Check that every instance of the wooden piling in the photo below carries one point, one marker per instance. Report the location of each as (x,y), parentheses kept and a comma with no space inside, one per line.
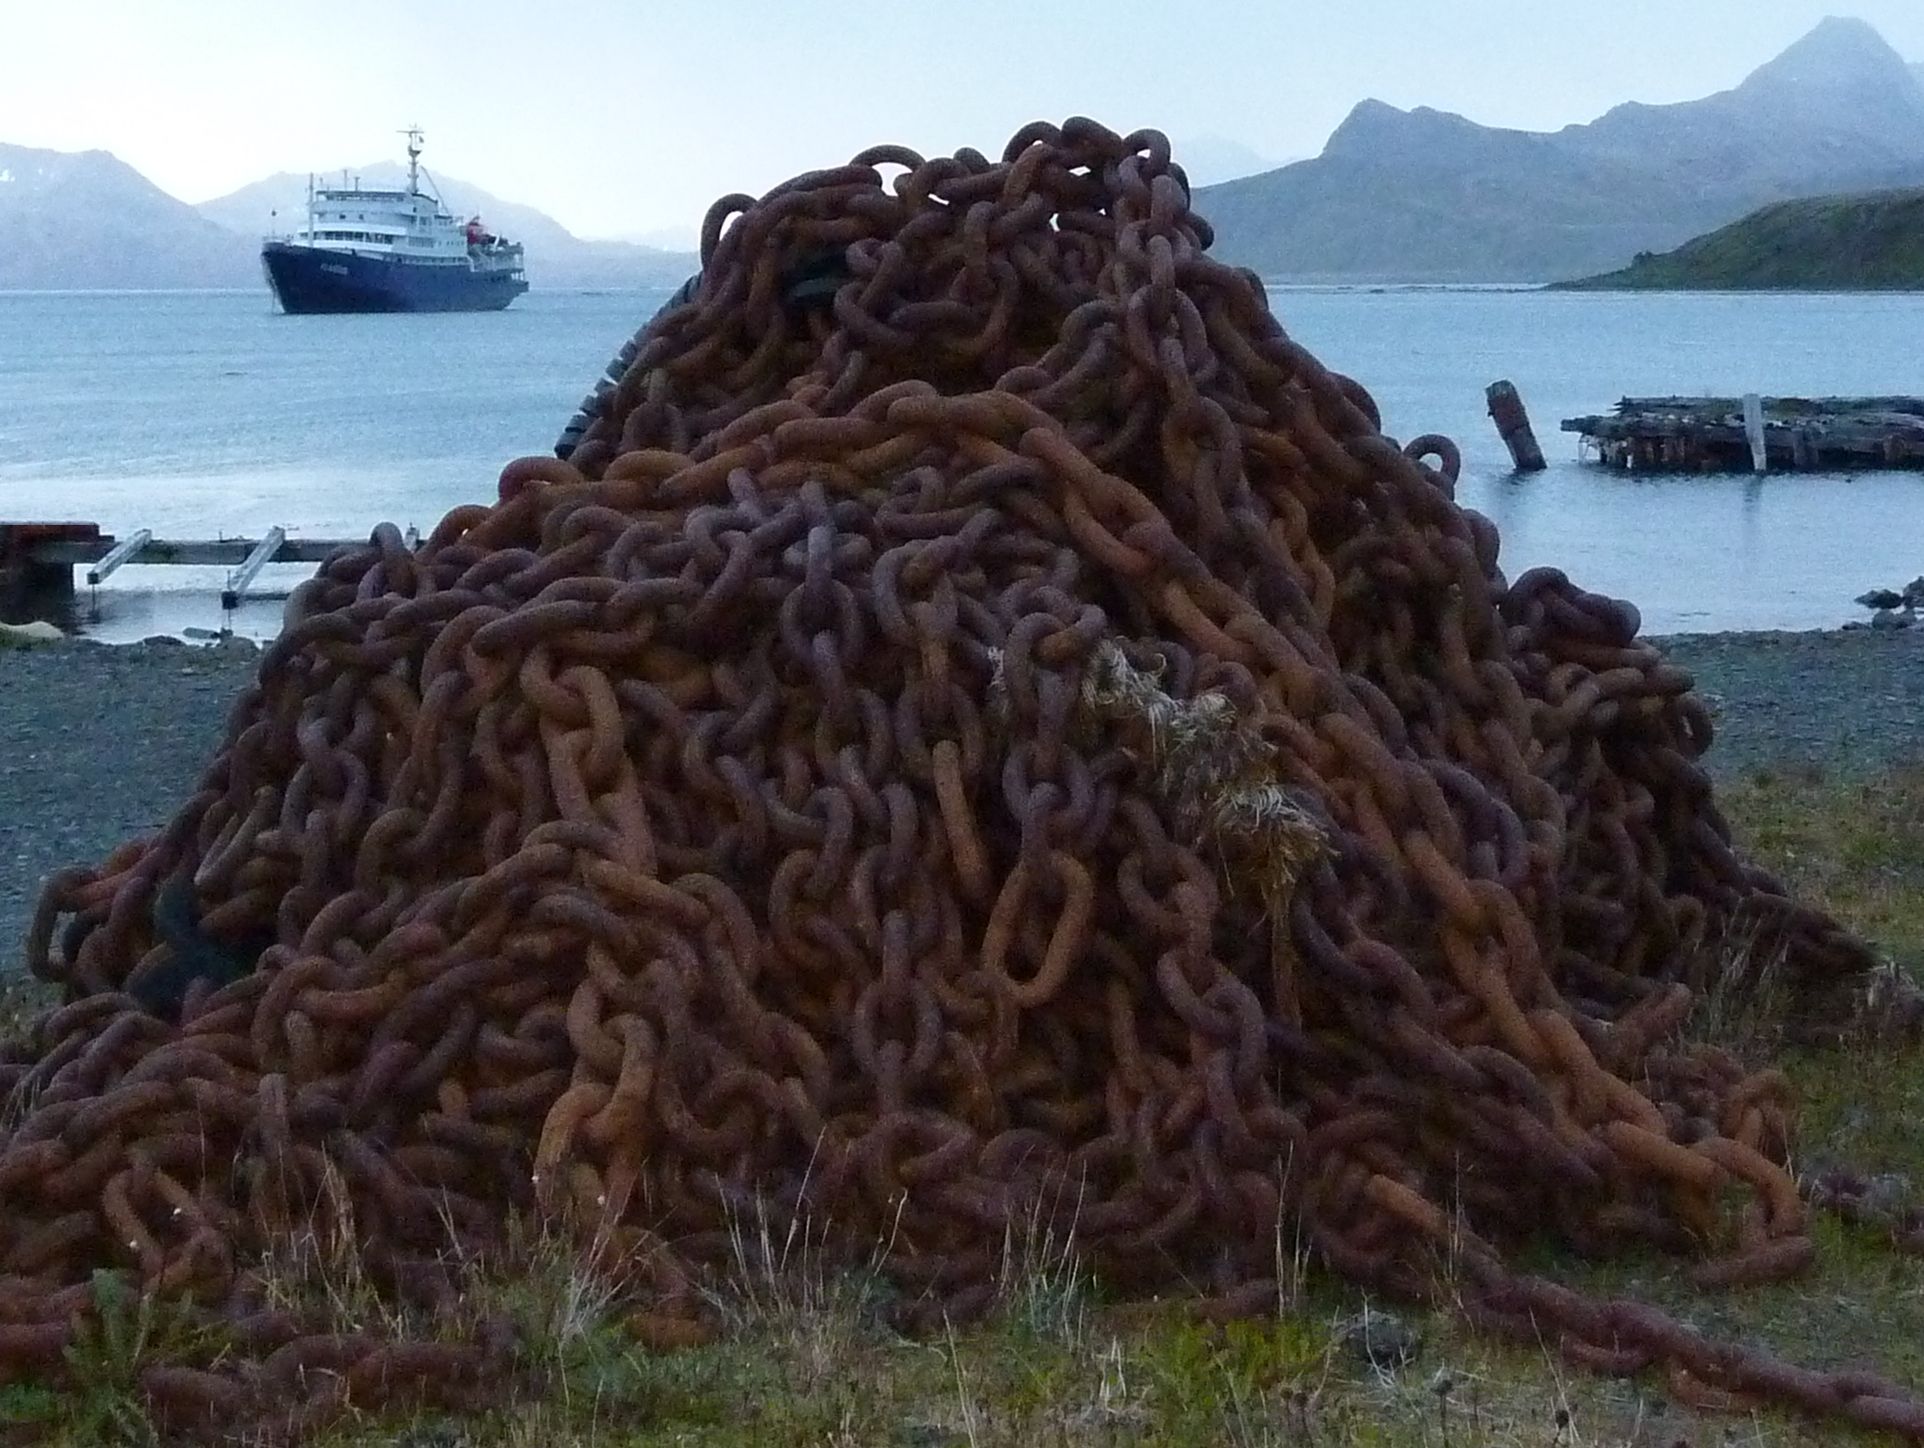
(33,586)
(1754,432)
(239,580)
(1513,426)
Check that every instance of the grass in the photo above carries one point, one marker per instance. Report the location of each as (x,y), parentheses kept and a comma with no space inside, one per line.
(804,1354)
(1862,242)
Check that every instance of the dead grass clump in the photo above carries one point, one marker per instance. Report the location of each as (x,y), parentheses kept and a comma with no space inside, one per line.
(1222,780)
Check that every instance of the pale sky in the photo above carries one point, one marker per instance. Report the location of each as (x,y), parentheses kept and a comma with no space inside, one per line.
(620,118)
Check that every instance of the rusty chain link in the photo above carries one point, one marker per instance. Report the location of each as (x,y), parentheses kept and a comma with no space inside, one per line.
(975,711)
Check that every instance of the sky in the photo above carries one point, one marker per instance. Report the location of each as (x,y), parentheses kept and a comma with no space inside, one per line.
(624,119)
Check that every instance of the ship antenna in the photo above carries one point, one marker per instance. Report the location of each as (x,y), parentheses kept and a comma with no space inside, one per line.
(413,133)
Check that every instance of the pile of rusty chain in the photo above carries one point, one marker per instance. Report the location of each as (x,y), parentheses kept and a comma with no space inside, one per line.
(978,718)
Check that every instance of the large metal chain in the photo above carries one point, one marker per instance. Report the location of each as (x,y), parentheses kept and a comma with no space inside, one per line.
(978,715)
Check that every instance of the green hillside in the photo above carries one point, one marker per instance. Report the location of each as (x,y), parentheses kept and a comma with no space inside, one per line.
(1868,242)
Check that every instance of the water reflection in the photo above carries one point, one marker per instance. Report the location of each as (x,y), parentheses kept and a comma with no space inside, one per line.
(1694,552)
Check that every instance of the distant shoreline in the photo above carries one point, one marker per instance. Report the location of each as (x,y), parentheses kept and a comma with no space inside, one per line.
(1866,241)
(1584,286)
(1596,287)
(597,289)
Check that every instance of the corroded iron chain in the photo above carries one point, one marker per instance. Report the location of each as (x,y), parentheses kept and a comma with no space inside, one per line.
(978,716)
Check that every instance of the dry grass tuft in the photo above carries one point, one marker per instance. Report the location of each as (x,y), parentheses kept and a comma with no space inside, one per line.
(1746,1000)
(1221,778)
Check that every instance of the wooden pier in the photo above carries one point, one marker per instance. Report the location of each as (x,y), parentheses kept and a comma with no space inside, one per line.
(1756,434)
(1513,426)
(37,562)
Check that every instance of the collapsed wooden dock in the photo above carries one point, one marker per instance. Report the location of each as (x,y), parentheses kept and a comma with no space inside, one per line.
(37,562)
(1756,434)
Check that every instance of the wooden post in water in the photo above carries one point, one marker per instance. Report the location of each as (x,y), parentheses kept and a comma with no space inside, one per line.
(1513,425)
(1754,432)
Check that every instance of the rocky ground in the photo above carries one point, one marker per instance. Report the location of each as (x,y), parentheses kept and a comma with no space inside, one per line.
(1848,701)
(99,744)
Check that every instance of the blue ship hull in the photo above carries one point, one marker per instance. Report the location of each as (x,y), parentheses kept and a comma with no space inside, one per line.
(310,279)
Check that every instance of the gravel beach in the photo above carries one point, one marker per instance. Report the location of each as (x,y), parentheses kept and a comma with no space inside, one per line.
(1848,701)
(99,743)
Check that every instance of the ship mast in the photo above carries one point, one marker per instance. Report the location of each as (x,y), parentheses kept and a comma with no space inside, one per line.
(413,133)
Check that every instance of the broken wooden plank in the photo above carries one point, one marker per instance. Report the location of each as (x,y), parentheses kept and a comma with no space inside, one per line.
(203,552)
(118,555)
(241,577)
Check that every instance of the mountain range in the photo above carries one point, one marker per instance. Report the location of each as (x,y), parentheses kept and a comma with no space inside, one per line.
(556,256)
(89,220)
(1208,159)
(1397,195)
(1424,195)
(85,219)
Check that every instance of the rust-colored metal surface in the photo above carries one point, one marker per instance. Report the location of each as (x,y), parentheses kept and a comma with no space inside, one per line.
(979,717)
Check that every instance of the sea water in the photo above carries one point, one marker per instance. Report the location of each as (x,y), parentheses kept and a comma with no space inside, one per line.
(201,414)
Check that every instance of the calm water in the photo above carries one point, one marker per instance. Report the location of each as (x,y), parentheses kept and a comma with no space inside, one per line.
(197,414)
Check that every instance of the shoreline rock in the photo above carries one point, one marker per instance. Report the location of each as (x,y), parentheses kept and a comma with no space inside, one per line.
(22,635)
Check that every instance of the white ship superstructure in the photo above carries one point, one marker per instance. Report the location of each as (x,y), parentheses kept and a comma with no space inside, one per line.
(365,250)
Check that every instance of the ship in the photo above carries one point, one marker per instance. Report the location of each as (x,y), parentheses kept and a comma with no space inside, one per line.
(391,251)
